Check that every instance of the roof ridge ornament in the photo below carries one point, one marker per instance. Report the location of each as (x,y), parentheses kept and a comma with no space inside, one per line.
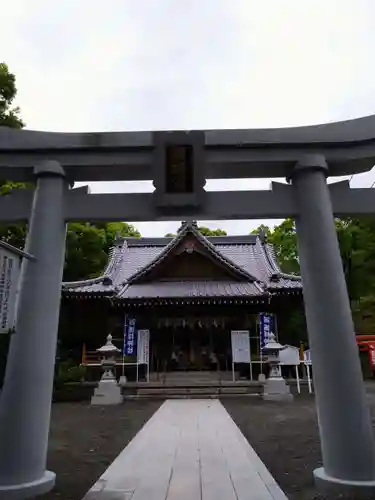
(187,224)
(263,237)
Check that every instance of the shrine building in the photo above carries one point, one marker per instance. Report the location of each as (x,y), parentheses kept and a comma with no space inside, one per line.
(189,291)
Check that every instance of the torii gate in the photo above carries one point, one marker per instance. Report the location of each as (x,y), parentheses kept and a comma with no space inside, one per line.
(179,163)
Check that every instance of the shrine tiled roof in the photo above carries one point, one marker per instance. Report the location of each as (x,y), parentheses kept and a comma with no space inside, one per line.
(250,257)
(210,247)
(190,289)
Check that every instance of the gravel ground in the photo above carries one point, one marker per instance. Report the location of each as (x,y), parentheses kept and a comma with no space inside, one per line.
(285,436)
(84,441)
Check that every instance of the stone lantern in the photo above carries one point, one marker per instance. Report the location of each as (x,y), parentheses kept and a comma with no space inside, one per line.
(108,351)
(275,387)
(272,350)
(108,391)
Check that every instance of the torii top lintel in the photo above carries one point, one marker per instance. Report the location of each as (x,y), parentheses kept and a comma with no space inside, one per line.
(348,146)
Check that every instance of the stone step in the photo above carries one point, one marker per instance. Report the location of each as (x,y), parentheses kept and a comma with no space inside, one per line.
(177,376)
(196,391)
(162,397)
(238,390)
(179,390)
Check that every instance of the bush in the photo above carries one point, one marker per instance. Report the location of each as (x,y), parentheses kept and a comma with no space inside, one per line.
(67,372)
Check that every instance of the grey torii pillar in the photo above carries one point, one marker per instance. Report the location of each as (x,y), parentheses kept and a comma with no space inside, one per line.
(25,402)
(346,433)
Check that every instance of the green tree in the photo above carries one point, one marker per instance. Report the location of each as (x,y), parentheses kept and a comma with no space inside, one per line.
(356,239)
(266,230)
(13,234)
(284,240)
(8,90)
(88,246)
(85,255)
(114,229)
(357,246)
(206,231)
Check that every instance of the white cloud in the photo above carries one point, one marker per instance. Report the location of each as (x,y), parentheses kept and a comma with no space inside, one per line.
(162,64)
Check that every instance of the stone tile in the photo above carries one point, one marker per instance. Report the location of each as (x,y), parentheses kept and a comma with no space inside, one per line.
(108,495)
(189,450)
(185,481)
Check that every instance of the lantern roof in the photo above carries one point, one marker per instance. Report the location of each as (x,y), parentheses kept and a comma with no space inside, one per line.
(108,347)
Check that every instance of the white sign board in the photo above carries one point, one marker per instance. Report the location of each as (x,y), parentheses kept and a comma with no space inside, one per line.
(143,346)
(241,346)
(307,356)
(289,356)
(9,275)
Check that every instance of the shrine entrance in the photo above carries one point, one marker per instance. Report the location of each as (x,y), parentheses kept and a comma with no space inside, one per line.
(190,350)
(195,338)
(178,163)
(184,349)
(203,350)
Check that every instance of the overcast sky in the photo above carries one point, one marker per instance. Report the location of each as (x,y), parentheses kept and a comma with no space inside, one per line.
(90,65)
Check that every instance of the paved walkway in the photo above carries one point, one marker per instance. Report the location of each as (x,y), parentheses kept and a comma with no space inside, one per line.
(188,450)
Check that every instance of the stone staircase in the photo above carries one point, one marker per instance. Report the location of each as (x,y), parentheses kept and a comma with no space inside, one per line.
(193,377)
(184,385)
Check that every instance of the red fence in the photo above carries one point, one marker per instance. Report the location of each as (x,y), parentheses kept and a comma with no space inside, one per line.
(366,343)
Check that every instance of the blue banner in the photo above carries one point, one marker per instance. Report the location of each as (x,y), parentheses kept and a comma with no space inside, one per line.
(130,337)
(266,328)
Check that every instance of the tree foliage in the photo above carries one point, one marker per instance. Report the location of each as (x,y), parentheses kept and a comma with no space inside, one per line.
(115,229)
(206,231)
(8,90)
(13,234)
(283,238)
(88,245)
(356,239)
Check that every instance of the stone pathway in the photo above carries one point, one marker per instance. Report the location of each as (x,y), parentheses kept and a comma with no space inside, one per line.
(188,450)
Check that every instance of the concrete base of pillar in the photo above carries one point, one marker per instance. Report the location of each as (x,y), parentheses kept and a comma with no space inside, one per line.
(276,389)
(122,380)
(352,489)
(28,490)
(108,392)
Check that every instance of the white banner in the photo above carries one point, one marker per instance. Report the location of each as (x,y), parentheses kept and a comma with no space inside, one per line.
(9,275)
(241,346)
(307,356)
(143,353)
